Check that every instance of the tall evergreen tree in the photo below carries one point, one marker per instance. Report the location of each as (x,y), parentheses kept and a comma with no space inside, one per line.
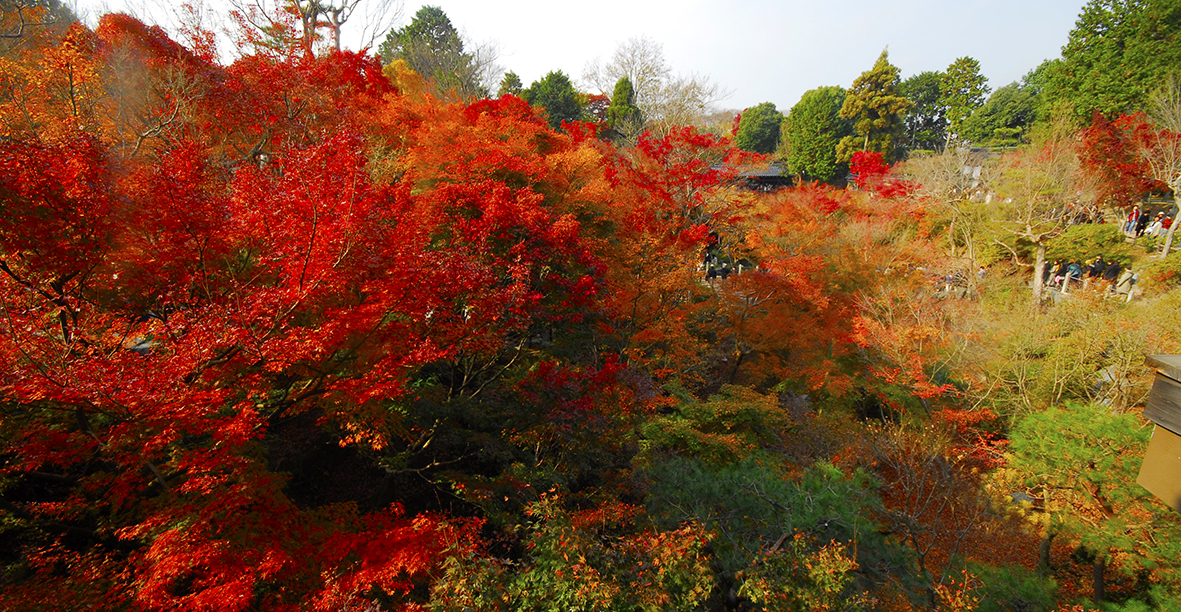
(1003,120)
(1117,53)
(877,110)
(962,89)
(510,85)
(926,123)
(432,47)
(623,115)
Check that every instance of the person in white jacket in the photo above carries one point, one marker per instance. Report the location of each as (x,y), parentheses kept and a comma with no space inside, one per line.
(1155,227)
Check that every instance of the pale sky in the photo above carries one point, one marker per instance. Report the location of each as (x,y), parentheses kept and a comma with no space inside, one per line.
(760,50)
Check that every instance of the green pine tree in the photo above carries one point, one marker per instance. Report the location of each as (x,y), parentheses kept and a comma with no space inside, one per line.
(623,115)
(962,89)
(555,93)
(510,85)
(877,110)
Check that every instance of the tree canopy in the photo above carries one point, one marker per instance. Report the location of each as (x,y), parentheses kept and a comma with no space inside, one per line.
(811,132)
(758,129)
(294,333)
(877,110)
(666,99)
(961,91)
(1118,52)
(556,94)
(623,115)
(926,122)
(433,48)
(1004,120)
(510,84)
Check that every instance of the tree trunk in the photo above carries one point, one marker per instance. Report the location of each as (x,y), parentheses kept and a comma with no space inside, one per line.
(737,363)
(951,235)
(1043,555)
(1097,577)
(1173,226)
(1038,281)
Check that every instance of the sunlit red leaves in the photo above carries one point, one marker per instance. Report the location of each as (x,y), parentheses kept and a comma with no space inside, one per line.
(227,297)
(180,207)
(1107,152)
(499,140)
(681,173)
(150,43)
(907,336)
(669,196)
(871,173)
(266,102)
(1157,148)
(302,240)
(58,207)
(385,551)
(868,169)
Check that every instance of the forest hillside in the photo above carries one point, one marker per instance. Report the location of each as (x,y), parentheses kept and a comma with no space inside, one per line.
(317,330)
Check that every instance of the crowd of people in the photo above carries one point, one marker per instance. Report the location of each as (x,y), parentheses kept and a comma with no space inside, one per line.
(1113,276)
(1140,224)
(715,266)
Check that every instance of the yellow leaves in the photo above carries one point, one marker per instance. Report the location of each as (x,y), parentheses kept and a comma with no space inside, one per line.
(404,78)
(802,576)
(54,92)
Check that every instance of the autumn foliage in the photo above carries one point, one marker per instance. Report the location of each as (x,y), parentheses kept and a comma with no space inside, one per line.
(293,334)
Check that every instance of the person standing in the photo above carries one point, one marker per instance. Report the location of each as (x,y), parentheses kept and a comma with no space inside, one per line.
(1141,224)
(1133,219)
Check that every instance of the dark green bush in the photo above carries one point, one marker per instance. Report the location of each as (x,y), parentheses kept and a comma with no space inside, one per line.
(1084,242)
(1013,588)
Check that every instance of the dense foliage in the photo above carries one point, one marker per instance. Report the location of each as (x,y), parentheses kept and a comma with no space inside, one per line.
(962,89)
(926,122)
(811,132)
(877,109)
(1118,52)
(311,332)
(433,48)
(758,129)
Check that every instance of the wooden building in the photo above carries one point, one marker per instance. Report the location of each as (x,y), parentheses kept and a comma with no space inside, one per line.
(771,178)
(1161,472)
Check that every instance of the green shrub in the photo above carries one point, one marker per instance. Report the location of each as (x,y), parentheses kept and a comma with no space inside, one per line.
(726,428)
(799,574)
(1012,588)
(1085,241)
(1157,599)
(750,505)
(597,559)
